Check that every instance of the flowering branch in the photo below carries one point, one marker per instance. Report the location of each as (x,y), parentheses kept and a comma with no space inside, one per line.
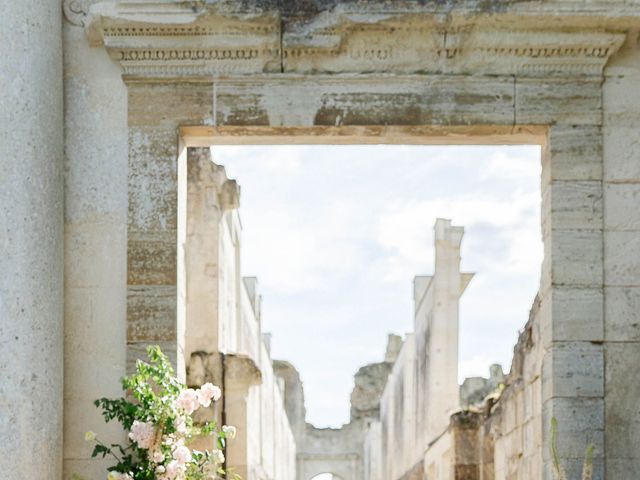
(160,427)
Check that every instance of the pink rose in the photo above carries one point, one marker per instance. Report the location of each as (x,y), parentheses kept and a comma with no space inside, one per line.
(172,470)
(208,392)
(188,401)
(182,455)
(158,457)
(143,433)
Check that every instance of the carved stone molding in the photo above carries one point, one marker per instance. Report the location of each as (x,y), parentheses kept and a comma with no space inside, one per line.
(76,11)
(185,39)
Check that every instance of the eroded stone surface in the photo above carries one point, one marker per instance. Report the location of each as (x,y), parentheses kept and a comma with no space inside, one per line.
(457,68)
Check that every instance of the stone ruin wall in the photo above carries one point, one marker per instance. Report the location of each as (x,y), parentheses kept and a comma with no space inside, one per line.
(337,450)
(101,97)
(422,390)
(224,339)
(488,429)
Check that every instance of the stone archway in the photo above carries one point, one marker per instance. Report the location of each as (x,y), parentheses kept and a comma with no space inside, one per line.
(326,476)
(361,74)
(451,72)
(319,469)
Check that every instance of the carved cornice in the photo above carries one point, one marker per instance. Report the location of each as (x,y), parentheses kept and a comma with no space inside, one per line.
(470,49)
(187,39)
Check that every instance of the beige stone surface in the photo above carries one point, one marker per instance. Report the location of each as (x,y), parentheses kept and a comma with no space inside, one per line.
(422,390)
(451,71)
(621,152)
(31,240)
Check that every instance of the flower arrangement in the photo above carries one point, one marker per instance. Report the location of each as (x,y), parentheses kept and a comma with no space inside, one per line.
(158,417)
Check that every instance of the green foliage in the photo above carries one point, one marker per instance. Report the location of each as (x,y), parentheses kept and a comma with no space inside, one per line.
(159,420)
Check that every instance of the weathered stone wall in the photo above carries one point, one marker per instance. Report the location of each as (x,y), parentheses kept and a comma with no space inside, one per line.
(331,450)
(621,197)
(339,451)
(154,172)
(422,390)
(293,396)
(223,321)
(369,383)
(474,390)
(509,442)
(453,69)
(454,454)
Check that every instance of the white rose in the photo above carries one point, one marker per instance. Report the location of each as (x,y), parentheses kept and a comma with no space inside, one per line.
(217,456)
(143,433)
(173,469)
(89,436)
(158,457)
(229,431)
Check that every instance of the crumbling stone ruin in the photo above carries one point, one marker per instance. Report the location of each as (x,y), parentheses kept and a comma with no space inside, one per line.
(401,406)
(103,99)
(474,390)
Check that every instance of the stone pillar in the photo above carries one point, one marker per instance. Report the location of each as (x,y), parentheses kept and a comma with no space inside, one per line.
(156,175)
(571,309)
(465,430)
(95,244)
(445,324)
(240,373)
(567,353)
(621,148)
(31,240)
(436,300)
(209,195)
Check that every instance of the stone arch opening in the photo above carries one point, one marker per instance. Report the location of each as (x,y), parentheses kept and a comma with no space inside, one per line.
(326,476)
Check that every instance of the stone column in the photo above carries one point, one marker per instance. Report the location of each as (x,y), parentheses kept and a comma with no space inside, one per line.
(437,306)
(445,325)
(240,373)
(154,237)
(31,240)
(95,243)
(621,149)
(571,310)
(209,194)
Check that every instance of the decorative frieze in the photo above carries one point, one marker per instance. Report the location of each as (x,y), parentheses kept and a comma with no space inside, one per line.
(173,39)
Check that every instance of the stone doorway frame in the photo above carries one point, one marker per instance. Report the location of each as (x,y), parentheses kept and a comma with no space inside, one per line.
(577,286)
(201,75)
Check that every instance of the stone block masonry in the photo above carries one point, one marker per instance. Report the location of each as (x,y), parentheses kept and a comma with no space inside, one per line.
(139,75)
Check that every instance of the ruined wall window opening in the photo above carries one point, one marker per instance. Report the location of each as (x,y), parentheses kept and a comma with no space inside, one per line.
(293,140)
(323,186)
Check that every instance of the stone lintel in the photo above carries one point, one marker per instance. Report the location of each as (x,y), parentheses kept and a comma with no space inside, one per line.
(189,39)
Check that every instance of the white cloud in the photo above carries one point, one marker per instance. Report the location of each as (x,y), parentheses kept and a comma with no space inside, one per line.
(475,366)
(336,234)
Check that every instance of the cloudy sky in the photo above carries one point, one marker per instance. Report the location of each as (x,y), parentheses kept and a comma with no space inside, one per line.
(335,235)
